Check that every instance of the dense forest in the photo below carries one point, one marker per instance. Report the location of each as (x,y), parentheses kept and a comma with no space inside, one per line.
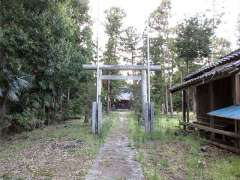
(43,45)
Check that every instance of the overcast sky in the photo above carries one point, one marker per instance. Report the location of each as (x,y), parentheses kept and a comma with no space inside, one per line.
(138,10)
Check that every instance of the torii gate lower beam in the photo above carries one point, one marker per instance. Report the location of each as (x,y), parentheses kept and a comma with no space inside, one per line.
(119,77)
(121,67)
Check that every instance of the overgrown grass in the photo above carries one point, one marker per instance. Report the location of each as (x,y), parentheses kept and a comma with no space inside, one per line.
(168,153)
(68,131)
(71,131)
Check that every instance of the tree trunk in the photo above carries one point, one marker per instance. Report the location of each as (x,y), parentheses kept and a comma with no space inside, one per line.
(166,99)
(86,115)
(61,102)
(68,95)
(132,58)
(3,108)
(2,115)
(4,100)
(194,101)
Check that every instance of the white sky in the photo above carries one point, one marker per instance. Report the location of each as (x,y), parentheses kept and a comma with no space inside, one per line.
(138,10)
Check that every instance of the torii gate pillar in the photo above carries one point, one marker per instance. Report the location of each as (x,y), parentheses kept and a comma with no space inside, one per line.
(96,122)
(144,100)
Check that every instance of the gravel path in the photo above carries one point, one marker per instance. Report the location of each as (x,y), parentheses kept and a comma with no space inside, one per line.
(116,159)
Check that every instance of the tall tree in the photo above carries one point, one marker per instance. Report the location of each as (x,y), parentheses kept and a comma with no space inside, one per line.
(193,44)
(162,54)
(194,40)
(130,41)
(221,47)
(113,29)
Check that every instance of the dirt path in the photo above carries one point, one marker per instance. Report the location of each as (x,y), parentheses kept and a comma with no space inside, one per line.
(116,159)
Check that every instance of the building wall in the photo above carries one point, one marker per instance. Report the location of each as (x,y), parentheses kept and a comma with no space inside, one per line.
(221,95)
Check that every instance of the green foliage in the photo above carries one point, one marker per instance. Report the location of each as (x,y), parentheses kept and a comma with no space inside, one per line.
(221,47)
(162,53)
(197,46)
(194,39)
(46,41)
(113,29)
(130,40)
(226,167)
(27,120)
(113,25)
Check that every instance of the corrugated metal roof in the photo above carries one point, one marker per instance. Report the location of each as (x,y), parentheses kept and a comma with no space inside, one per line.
(231,112)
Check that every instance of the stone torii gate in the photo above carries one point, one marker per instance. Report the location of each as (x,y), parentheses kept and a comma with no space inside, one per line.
(147,107)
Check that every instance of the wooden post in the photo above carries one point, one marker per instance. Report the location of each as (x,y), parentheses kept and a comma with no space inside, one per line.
(211,108)
(237,89)
(237,102)
(184,108)
(188,104)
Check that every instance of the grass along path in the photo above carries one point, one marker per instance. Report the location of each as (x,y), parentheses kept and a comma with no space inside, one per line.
(116,159)
(169,154)
(64,151)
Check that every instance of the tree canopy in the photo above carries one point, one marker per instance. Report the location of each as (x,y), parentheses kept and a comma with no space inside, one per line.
(43,43)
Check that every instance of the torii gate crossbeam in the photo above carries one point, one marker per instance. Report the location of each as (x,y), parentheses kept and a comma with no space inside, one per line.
(121,67)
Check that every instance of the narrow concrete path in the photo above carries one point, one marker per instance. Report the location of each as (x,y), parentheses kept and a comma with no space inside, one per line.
(116,159)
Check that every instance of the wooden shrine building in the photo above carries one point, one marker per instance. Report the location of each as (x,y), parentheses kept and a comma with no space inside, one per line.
(216,90)
(123,99)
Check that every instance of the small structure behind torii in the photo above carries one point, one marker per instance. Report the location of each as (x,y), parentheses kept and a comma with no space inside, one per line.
(147,107)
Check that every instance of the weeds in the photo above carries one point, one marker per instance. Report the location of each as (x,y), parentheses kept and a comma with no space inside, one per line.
(168,153)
